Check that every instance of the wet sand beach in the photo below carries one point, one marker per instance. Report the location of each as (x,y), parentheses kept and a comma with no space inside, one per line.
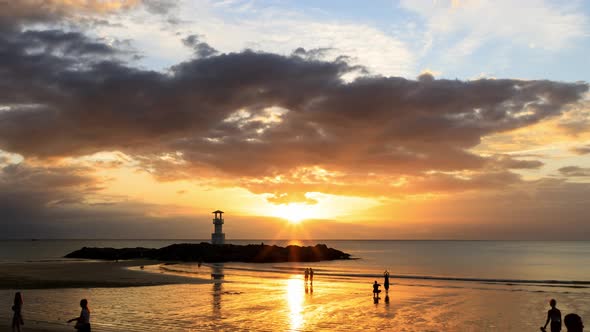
(83,274)
(256,300)
(492,286)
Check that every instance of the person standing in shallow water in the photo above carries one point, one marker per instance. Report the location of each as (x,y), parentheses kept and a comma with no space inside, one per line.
(386,281)
(376,289)
(83,321)
(553,316)
(17,318)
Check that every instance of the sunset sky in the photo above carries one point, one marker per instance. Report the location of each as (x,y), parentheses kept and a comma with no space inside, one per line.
(303,119)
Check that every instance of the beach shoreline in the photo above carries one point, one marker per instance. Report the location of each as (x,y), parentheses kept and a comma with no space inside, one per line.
(85,274)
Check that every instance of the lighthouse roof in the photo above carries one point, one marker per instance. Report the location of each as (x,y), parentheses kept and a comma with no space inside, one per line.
(218,211)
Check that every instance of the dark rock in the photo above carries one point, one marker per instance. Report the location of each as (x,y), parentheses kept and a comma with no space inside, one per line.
(206,252)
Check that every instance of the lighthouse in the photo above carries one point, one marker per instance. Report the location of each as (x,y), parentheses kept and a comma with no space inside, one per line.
(218,237)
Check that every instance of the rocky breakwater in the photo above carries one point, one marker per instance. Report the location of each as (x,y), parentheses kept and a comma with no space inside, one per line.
(206,252)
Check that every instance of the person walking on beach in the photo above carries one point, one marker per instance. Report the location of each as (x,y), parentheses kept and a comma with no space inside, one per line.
(574,323)
(83,321)
(306,274)
(17,318)
(376,289)
(553,316)
(386,281)
(311,275)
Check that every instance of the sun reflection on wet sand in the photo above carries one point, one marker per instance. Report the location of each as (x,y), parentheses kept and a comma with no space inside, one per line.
(295,298)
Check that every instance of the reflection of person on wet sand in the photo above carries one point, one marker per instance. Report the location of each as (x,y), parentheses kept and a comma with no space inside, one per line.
(387,299)
(386,281)
(376,289)
(17,319)
(553,316)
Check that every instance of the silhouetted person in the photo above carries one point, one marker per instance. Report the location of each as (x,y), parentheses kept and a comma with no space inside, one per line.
(553,316)
(573,323)
(83,321)
(386,281)
(17,318)
(310,275)
(376,289)
(306,274)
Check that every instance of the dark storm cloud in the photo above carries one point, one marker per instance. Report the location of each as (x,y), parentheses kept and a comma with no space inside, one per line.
(215,113)
(29,193)
(381,124)
(575,171)
(201,49)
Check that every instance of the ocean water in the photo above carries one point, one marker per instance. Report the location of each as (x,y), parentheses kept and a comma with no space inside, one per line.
(437,286)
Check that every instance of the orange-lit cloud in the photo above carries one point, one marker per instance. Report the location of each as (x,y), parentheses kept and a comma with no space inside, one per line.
(264,129)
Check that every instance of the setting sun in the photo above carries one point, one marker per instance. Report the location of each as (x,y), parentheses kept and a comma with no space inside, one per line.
(293,212)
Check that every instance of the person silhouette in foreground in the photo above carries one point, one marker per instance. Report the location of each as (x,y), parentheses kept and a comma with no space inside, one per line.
(376,289)
(306,274)
(83,321)
(573,323)
(311,275)
(17,318)
(386,281)
(553,316)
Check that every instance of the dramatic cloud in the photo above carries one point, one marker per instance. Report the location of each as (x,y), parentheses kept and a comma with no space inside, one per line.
(254,115)
(33,11)
(575,171)
(290,128)
(202,50)
(585,149)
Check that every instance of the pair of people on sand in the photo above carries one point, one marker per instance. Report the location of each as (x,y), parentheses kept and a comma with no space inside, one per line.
(308,274)
(82,322)
(376,285)
(573,322)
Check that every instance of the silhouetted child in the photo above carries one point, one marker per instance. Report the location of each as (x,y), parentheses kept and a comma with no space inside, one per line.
(17,318)
(553,316)
(386,281)
(83,321)
(376,289)
(573,323)
(310,275)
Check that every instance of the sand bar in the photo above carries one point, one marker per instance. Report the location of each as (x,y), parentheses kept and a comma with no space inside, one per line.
(84,274)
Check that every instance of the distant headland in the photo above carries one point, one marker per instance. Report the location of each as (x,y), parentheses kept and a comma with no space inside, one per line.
(210,253)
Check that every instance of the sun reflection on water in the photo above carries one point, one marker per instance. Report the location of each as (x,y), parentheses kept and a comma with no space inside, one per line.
(295,298)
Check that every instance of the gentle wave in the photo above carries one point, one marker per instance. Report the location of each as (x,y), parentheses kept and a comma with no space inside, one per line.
(348,274)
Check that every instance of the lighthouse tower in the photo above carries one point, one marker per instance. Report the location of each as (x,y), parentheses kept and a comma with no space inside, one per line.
(218,237)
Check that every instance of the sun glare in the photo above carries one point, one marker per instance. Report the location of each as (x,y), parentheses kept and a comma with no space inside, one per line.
(293,212)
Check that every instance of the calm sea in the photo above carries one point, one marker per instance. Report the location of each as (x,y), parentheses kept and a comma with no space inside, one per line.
(437,286)
(565,261)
